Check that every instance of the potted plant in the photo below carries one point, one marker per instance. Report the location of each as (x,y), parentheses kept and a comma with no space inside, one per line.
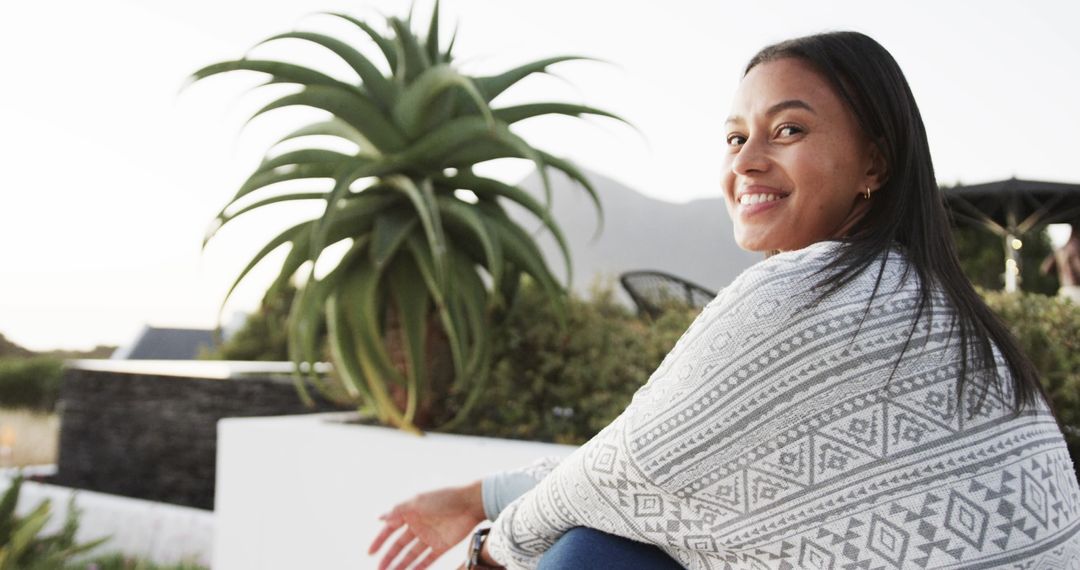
(424,230)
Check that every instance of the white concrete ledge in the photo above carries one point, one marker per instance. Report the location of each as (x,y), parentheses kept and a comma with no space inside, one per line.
(210,369)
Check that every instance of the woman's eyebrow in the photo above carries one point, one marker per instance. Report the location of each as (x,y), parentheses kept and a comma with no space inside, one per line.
(781,106)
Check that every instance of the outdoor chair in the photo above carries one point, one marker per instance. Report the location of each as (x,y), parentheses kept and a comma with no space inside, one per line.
(653,291)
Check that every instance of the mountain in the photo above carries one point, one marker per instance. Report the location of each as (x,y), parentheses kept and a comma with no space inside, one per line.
(10,349)
(692,240)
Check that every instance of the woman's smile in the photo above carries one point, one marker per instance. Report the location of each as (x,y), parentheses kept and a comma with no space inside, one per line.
(756,199)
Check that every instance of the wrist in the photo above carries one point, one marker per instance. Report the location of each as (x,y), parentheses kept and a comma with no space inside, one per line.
(478,558)
(473,497)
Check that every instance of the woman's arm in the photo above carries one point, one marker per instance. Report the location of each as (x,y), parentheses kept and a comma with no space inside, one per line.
(500,489)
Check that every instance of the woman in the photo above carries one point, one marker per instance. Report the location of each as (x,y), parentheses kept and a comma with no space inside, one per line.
(849,402)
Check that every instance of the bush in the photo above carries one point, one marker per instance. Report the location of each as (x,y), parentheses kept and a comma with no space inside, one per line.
(562,386)
(1048,329)
(30,382)
(22,543)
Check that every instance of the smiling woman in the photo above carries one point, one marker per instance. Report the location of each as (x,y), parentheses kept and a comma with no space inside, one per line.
(849,402)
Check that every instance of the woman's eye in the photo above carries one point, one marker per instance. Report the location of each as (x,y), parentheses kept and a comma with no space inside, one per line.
(791,130)
(734,140)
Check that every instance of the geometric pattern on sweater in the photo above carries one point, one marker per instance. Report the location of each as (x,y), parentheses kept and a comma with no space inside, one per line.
(772,437)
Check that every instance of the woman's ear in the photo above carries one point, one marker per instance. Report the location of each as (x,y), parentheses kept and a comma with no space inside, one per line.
(877,169)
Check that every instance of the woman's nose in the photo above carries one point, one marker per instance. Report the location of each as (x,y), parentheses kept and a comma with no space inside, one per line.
(752,157)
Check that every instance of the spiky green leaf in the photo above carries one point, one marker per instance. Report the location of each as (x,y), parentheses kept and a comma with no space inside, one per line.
(411,299)
(576,175)
(333,127)
(386,45)
(432,44)
(412,59)
(353,107)
(389,233)
(411,112)
(383,90)
(280,71)
(516,113)
(467,217)
(494,85)
(490,189)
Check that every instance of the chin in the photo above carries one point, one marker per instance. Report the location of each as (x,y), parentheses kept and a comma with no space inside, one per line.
(757,244)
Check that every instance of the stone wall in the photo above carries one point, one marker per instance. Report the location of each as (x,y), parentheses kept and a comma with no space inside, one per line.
(154,436)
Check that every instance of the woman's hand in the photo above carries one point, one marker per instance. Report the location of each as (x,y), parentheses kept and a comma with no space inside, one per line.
(433,522)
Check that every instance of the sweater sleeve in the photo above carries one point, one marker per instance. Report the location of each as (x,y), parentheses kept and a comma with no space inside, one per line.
(500,489)
(626,480)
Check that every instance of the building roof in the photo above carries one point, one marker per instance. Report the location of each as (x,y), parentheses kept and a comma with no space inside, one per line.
(158,343)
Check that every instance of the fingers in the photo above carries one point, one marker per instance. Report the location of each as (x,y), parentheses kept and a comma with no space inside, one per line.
(413,553)
(430,559)
(392,524)
(402,541)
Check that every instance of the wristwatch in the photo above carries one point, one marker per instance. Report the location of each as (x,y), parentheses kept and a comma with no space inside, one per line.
(475,546)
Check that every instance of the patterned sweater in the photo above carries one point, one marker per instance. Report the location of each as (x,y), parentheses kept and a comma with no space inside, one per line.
(772,436)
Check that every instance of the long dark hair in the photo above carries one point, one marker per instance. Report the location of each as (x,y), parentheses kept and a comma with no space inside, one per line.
(909,208)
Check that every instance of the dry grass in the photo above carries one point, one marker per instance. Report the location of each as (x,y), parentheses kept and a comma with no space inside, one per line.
(28,437)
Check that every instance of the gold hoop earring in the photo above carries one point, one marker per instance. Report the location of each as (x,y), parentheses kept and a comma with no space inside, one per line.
(867,196)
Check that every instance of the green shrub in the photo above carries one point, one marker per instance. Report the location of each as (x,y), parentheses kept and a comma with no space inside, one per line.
(549,384)
(1048,329)
(22,544)
(30,382)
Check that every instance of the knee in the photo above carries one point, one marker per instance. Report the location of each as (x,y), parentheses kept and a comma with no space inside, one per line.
(583,547)
(574,549)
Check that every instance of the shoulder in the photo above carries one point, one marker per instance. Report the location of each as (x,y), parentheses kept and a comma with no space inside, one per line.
(788,272)
(793,277)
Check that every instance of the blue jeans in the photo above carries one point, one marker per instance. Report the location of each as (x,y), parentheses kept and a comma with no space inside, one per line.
(589,549)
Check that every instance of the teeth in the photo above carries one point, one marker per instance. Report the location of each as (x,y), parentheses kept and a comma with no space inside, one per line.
(751,199)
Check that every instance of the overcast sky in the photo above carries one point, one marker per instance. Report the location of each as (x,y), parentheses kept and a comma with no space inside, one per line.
(109,175)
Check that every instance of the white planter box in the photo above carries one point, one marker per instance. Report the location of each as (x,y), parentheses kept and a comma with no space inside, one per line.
(306,491)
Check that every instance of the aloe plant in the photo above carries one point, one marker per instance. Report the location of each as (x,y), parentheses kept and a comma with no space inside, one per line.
(418,251)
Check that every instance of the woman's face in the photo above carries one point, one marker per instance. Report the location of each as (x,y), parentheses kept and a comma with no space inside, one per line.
(797,164)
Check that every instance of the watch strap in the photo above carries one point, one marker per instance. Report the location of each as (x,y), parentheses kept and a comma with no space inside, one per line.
(476,545)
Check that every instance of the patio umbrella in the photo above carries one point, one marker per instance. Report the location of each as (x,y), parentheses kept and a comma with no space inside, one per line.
(1013,208)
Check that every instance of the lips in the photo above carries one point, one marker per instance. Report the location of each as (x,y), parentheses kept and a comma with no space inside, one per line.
(756,193)
(755,199)
(759,198)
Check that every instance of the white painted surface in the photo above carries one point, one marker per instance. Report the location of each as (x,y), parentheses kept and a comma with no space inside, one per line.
(158,532)
(211,369)
(306,491)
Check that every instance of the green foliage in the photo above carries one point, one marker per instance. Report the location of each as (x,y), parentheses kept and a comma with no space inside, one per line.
(565,384)
(982,256)
(263,336)
(22,544)
(30,382)
(419,245)
(1048,329)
